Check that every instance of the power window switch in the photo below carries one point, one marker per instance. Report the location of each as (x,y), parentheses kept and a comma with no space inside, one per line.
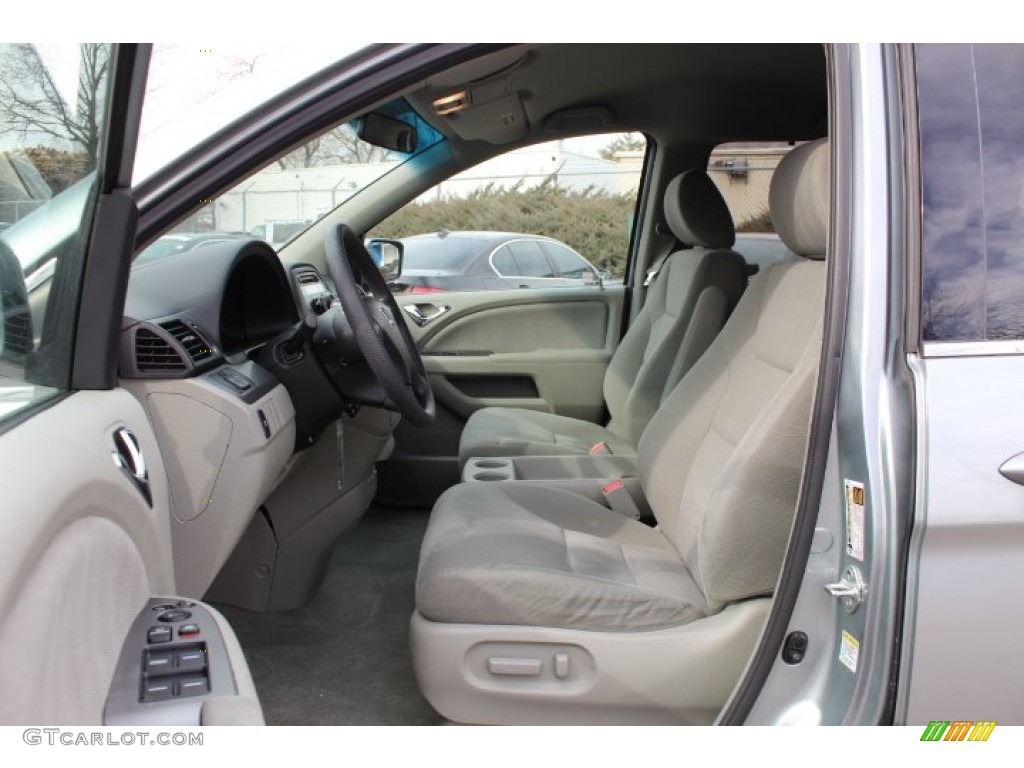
(158,635)
(158,690)
(161,663)
(188,630)
(191,661)
(193,685)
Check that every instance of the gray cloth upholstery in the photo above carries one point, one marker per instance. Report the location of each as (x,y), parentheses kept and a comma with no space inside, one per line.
(512,553)
(720,464)
(696,212)
(799,199)
(520,432)
(684,310)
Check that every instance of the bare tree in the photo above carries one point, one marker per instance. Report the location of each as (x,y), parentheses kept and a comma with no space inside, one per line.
(340,146)
(30,101)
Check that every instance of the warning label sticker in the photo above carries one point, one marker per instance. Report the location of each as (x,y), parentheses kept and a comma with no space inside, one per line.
(854,519)
(848,651)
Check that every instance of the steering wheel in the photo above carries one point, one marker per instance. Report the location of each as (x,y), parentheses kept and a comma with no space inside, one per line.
(378,326)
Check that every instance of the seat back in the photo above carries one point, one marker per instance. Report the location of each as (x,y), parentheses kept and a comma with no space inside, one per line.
(722,460)
(695,291)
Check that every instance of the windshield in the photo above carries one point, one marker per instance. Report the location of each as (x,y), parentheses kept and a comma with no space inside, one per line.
(193,90)
(284,198)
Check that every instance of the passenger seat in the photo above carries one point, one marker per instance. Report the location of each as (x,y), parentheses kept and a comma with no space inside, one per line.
(687,305)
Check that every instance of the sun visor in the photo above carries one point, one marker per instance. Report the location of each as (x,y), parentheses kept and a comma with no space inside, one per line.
(489,111)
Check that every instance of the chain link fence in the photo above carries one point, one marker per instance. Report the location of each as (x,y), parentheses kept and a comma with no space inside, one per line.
(282,200)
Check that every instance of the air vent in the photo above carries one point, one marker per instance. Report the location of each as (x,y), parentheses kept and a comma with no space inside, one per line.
(196,346)
(153,354)
(306,277)
(17,332)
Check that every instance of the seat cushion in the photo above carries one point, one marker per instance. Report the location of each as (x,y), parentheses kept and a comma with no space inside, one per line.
(521,432)
(514,553)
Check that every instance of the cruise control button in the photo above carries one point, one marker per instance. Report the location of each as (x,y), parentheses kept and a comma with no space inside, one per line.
(175,615)
(158,635)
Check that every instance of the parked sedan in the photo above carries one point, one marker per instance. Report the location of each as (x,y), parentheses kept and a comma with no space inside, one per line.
(473,261)
(180,242)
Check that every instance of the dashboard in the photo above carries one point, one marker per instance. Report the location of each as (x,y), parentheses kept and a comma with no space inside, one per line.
(233,296)
(211,345)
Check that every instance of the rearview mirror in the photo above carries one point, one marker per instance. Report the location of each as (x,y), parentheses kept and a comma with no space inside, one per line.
(387,132)
(387,255)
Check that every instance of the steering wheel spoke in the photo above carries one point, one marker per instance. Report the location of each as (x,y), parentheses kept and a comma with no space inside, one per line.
(379,326)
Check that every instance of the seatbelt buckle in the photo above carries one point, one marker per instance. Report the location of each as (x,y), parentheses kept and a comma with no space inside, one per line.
(599,448)
(618,499)
(651,274)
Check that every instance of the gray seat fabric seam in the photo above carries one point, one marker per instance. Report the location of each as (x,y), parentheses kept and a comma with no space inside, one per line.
(562,575)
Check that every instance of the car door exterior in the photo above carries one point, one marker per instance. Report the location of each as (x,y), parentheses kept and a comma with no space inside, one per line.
(84,509)
(961,658)
(904,607)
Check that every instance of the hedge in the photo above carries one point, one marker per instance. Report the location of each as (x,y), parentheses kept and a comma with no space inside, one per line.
(593,222)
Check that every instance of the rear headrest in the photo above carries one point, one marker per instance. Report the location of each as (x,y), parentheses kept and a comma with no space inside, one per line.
(799,199)
(696,212)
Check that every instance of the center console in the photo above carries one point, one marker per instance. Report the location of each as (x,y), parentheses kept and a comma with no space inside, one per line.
(609,479)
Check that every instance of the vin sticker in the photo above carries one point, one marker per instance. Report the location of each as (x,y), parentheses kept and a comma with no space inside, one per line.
(854,519)
(848,651)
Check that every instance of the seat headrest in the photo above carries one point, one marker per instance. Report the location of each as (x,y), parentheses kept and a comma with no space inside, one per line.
(799,199)
(696,212)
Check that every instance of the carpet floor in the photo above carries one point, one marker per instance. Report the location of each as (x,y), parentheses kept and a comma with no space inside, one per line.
(343,659)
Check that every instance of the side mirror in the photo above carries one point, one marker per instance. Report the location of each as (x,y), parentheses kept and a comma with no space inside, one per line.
(387,255)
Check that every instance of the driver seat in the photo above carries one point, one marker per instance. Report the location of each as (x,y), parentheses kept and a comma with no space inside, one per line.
(537,605)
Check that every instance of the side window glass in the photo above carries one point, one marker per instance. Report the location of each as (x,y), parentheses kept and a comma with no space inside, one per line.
(567,264)
(971,112)
(505,262)
(530,259)
(579,192)
(743,172)
(52,110)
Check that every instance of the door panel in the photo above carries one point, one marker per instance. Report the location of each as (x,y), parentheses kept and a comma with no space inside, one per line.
(543,349)
(84,549)
(84,498)
(559,339)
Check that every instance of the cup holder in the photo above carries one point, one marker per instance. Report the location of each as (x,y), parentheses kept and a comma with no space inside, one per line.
(491,464)
(489,470)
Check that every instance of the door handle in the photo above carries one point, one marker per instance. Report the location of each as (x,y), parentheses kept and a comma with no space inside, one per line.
(422,314)
(1013,469)
(128,457)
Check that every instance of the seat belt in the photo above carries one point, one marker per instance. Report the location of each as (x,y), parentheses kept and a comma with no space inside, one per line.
(659,262)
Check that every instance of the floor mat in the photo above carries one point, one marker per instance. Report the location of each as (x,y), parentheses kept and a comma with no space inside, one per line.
(344,658)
